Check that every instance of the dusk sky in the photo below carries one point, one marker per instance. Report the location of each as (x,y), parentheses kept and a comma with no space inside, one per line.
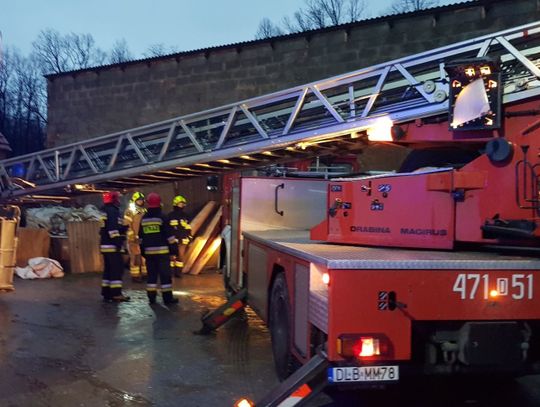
(182,24)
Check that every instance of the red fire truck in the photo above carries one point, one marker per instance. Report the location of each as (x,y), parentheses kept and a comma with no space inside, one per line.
(429,269)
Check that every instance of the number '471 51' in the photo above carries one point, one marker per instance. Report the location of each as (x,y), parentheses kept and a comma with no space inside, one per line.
(471,286)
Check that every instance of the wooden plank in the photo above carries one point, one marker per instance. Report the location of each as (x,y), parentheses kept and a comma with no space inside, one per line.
(32,242)
(202,220)
(209,250)
(198,244)
(83,242)
(202,216)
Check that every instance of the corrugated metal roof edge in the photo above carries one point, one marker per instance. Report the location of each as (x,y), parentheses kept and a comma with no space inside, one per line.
(466,3)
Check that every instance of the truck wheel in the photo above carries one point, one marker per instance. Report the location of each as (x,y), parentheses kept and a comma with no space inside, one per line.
(280,328)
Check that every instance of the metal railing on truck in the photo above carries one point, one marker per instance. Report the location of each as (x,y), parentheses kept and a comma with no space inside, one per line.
(403,89)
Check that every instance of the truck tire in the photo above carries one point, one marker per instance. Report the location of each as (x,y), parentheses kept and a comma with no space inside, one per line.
(280,327)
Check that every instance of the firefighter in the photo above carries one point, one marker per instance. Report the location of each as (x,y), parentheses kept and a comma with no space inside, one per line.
(182,231)
(132,218)
(157,242)
(112,234)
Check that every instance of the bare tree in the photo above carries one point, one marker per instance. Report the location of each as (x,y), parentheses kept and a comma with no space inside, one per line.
(120,52)
(356,10)
(157,50)
(323,13)
(405,6)
(267,29)
(6,78)
(60,53)
(22,102)
(50,48)
(78,47)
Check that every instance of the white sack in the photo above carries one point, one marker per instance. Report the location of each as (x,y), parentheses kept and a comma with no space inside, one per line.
(40,267)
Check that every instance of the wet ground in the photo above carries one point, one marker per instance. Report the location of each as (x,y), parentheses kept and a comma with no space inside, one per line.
(61,346)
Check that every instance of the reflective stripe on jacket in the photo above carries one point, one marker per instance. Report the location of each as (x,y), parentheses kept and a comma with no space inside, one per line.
(155,233)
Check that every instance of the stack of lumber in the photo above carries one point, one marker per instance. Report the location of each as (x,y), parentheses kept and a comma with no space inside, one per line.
(205,228)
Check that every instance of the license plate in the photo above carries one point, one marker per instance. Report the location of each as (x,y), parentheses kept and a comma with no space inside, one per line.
(363,374)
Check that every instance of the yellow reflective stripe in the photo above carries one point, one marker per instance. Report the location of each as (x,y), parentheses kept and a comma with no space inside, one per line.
(184,223)
(173,223)
(179,264)
(151,289)
(163,290)
(153,248)
(165,251)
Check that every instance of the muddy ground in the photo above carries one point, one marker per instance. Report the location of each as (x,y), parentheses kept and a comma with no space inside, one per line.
(61,346)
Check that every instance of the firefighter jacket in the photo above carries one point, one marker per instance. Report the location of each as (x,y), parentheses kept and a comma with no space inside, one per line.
(179,224)
(156,235)
(112,232)
(132,219)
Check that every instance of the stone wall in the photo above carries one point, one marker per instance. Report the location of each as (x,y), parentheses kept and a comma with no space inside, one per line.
(94,102)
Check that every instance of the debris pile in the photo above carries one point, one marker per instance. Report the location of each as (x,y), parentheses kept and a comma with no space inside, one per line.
(54,218)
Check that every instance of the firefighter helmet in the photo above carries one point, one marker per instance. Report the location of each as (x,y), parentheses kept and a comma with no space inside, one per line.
(136,196)
(111,197)
(153,200)
(179,199)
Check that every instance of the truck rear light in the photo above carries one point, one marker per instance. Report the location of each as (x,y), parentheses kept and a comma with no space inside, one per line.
(366,347)
(362,346)
(244,403)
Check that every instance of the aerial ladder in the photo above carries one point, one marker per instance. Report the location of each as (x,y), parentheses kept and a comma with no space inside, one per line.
(409,88)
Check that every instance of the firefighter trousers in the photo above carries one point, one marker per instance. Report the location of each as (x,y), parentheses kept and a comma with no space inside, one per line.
(159,269)
(177,261)
(137,263)
(111,284)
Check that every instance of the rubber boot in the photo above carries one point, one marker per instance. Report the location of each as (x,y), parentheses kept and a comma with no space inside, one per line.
(106,293)
(151,298)
(168,298)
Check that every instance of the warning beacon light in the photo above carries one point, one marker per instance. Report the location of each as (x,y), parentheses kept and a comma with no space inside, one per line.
(475,94)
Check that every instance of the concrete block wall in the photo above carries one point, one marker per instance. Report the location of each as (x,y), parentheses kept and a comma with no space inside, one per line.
(94,102)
